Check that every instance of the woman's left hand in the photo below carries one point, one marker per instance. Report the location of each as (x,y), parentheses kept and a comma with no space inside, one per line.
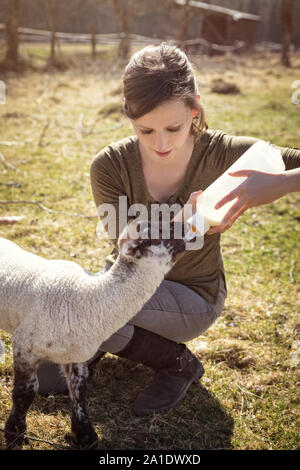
(189,208)
(259,188)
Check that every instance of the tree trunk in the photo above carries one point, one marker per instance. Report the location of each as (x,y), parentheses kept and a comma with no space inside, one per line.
(286,22)
(185,26)
(125,43)
(93,41)
(51,6)
(11,33)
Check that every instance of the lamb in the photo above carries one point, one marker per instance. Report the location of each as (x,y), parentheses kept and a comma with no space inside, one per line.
(57,311)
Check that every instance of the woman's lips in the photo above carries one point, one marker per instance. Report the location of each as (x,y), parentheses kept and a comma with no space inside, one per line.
(163,154)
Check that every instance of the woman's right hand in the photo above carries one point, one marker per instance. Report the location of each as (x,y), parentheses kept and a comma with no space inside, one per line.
(189,208)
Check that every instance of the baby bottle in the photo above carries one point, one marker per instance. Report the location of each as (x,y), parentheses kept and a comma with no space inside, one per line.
(260,156)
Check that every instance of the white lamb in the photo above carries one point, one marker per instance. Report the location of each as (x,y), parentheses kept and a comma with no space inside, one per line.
(58,311)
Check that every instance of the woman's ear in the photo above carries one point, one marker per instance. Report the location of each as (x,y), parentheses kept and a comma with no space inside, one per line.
(196,111)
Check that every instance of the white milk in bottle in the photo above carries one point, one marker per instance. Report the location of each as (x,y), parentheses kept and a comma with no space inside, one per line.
(260,156)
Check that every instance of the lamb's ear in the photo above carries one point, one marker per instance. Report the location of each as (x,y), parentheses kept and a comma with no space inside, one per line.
(130,232)
(127,247)
(128,240)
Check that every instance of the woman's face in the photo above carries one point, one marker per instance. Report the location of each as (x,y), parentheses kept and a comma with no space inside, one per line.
(164,132)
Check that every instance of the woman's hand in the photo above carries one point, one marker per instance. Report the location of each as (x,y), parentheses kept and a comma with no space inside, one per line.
(259,188)
(189,208)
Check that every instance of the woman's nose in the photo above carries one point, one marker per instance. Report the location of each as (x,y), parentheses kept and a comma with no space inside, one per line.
(161,142)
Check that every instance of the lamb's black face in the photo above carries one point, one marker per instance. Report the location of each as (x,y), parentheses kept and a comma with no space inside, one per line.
(145,239)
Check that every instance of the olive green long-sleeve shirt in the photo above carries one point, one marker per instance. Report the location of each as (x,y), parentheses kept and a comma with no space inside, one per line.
(117,171)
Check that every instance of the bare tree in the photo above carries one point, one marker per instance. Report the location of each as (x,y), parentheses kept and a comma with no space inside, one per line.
(51,7)
(185,25)
(123,10)
(286,22)
(93,40)
(12,35)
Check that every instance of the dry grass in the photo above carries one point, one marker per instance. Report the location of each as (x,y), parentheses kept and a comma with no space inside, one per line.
(51,127)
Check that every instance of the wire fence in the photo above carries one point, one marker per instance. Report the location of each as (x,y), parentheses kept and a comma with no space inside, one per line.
(39,35)
(30,35)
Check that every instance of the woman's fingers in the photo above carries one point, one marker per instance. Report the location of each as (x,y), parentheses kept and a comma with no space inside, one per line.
(185,212)
(233,213)
(194,195)
(229,197)
(193,198)
(236,192)
(257,189)
(229,218)
(244,172)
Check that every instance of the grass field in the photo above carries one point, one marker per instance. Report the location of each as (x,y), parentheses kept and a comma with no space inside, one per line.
(51,126)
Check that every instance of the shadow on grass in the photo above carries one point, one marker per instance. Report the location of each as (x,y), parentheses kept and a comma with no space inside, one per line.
(198,422)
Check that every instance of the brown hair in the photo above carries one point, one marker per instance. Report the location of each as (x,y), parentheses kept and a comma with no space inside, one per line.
(159,73)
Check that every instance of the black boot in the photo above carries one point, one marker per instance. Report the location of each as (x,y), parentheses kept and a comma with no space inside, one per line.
(176,369)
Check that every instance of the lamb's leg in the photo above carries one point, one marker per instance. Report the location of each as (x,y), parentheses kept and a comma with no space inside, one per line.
(82,431)
(24,391)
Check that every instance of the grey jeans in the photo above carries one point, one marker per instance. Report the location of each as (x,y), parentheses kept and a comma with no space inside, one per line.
(175,311)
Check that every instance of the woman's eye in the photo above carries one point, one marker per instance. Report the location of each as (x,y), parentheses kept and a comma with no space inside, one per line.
(175,129)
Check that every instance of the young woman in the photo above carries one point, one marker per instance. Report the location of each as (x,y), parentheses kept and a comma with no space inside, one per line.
(170,159)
